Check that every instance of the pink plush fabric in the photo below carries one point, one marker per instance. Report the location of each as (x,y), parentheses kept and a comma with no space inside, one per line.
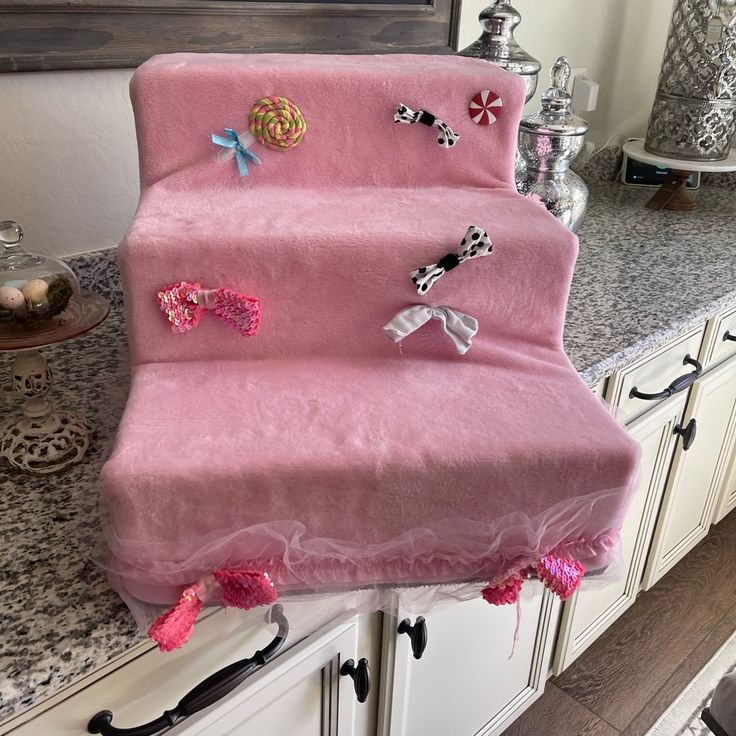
(317,449)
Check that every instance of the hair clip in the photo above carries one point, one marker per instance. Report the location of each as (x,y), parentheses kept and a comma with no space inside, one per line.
(406,115)
(235,147)
(277,123)
(485,108)
(185,304)
(475,244)
(459,327)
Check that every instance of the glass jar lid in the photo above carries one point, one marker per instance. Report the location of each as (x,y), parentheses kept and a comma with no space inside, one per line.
(556,117)
(34,288)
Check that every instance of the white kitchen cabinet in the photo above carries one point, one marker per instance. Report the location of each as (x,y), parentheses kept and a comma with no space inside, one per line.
(299,693)
(726,501)
(596,605)
(698,474)
(720,339)
(466,683)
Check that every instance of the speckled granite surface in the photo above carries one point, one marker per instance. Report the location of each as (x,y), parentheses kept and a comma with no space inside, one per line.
(58,617)
(642,278)
(645,277)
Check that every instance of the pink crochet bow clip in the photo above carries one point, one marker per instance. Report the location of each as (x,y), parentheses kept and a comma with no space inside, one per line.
(185,303)
(230,586)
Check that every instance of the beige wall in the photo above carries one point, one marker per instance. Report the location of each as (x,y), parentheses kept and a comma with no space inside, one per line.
(69,166)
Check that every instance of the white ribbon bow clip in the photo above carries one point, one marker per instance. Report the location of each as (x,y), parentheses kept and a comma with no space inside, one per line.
(459,327)
(475,244)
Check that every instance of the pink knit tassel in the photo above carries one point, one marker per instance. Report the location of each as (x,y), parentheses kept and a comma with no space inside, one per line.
(504,593)
(561,576)
(175,627)
(245,588)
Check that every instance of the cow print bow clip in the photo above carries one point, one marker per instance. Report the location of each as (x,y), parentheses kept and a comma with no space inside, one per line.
(404,114)
(184,305)
(475,244)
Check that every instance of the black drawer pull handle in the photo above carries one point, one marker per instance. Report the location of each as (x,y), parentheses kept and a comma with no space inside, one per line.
(417,634)
(679,384)
(728,336)
(687,433)
(361,674)
(208,691)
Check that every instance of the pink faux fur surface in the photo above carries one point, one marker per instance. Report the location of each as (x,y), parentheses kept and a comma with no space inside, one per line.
(331,266)
(317,449)
(348,103)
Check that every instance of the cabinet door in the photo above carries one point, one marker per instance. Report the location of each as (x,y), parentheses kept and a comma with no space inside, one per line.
(698,473)
(466,683)
(727,494)
(597,605)
(300,693)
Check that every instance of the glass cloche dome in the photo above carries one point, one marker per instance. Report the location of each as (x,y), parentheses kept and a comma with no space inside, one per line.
(34,288)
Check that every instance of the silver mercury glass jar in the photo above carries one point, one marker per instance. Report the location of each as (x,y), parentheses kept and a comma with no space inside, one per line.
(549,141)
(497,44)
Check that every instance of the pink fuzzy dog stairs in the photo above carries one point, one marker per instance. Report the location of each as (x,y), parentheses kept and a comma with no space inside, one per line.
(272,427)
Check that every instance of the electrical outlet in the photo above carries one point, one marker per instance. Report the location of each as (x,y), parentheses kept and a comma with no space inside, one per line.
(584,91)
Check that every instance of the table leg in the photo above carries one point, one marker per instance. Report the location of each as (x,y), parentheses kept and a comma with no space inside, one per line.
(673,194)
(43,440)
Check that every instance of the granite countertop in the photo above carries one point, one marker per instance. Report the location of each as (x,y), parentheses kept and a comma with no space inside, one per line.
(642,278)
(645,277)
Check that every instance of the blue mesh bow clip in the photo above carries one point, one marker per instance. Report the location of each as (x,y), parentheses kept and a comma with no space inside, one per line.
(242,154)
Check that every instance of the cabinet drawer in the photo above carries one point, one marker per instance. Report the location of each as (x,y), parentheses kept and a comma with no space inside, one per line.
(717,345)
(653,374)
(292,694)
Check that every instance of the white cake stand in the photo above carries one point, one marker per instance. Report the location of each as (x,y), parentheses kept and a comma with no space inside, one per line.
(673,194)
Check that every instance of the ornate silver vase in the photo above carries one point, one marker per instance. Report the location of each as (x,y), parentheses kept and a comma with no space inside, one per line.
(694,112)
(549,141)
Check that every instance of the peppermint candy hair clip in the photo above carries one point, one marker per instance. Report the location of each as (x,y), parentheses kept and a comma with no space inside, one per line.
(447,137)
(475,244)
(485,108)
(185,303)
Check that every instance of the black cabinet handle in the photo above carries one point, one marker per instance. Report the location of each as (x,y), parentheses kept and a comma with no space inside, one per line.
(417,634)
(361,674)
(679,384)
(687,433)
(208,691)
(728,336)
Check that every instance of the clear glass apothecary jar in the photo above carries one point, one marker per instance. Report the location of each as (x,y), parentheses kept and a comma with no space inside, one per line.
(35,289)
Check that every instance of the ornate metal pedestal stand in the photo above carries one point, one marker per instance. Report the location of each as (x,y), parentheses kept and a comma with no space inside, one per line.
(673,194)
(44,440)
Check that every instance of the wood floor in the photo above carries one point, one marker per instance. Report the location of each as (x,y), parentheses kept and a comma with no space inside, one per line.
(628,677)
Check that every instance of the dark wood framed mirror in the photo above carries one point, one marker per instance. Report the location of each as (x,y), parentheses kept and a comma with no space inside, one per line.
(97,34)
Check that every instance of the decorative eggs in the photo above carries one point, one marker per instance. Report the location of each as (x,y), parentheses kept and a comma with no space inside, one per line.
(35,290)
(11,298)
